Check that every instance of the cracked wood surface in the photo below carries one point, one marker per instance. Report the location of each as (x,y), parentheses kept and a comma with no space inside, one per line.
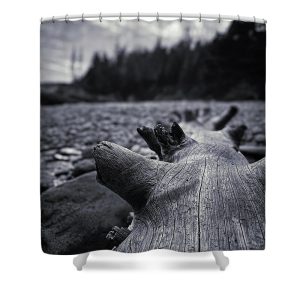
(202,195)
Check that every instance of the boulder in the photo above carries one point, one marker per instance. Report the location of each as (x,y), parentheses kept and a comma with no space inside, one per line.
(77,215)
(87,153)
(83,166)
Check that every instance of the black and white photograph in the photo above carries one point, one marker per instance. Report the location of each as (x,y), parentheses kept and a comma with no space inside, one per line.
(152,135)
(149,150)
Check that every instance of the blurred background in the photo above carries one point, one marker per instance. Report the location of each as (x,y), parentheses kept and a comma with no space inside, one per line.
(100,81)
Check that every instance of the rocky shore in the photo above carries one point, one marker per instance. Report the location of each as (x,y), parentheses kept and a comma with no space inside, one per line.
(77,212)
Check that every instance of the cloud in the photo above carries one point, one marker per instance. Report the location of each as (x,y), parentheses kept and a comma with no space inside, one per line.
(60,39)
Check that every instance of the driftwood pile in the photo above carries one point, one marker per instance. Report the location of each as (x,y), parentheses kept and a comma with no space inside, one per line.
(201,195)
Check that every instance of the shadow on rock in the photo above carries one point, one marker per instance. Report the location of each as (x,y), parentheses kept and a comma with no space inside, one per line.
(77,215)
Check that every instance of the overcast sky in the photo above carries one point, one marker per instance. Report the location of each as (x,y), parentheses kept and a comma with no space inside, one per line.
(60,39)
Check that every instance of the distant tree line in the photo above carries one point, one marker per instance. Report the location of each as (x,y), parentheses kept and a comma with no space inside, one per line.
(231,67)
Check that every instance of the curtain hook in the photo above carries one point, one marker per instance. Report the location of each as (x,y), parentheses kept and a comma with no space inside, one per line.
(180,17)
(238,16)
(157,17)
(120,17)
(41,20)
(53,19)
(138,16)
(200,17)
(219,18)
(66,18)
(265,21)
(100,17)
(254,19)
(82,19)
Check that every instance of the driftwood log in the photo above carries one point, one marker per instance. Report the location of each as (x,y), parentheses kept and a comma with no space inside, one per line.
(201,195)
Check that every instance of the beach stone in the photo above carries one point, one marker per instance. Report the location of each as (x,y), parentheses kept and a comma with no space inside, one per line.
(136,148)
(73,131)
(146,151)
(257,129)
(74,158)
(51,170)
(46,180)
(83,166)
(86,126)
(260,138)
(59,167)
(248,136)
(48,153)
(70,151)
(77,215)
(58,156)
(88,140)
(60,180)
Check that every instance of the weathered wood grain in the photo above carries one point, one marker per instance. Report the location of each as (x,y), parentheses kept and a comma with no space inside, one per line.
(202,195)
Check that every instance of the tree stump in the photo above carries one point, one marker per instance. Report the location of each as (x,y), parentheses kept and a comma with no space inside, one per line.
(201,195)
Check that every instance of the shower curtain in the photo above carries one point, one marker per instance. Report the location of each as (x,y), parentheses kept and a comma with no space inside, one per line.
(152,135)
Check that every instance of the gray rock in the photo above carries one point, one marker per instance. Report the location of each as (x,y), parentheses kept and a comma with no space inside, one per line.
(86,126)
(46,180)
(73,131)
(50,170)
(70,151)
(58,156)
(260,138)
(146,152)
(88,140)
(83,166)
(59,167)
(248,136)
(48,155)
(74,158)
(60,180)
(257,129)
(77,215)
(87,153)
(136,148)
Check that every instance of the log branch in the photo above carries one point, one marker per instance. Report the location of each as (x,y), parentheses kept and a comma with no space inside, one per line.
(149,136)
(174,143)
(257,152)
(220,122)
(117,235)
(207,198)
(165,140)
(130,175)
(235,133)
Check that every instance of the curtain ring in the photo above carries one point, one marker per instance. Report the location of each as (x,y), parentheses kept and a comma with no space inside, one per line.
(138,16)
(53,19)
(254,19)
(120,17)
(82,19)
(238,16)
(100,17)
(200,17)
(219,18)
(157,17)
(41,20)
(180,19)
(66,18)
(265,21)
